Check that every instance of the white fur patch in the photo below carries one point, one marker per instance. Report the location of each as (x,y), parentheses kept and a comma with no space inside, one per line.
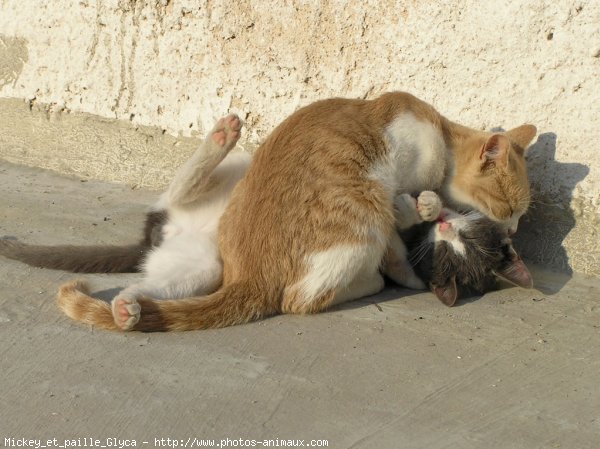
(417,156)
(513,223)
(458,222)
(458,247)
(186,265)
(188,261)
(336,268)
(451,236)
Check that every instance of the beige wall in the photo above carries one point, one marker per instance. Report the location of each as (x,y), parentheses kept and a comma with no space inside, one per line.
(104,88)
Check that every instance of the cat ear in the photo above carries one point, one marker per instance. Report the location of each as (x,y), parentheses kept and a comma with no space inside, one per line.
(522,135)
(447,293)
(517,273)
(495,150)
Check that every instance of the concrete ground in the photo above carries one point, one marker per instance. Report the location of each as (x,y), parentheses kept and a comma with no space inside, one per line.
(513,369)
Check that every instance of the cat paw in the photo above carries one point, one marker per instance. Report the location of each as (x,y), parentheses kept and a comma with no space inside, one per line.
(397,267)
(429,205)
(227,131)
(405,211)
(405,204)
(413,282)
(403,274)
(126,312)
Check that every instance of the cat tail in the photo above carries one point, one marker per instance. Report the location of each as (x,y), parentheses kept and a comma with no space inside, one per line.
(78,259)
(233,304)
(74,300)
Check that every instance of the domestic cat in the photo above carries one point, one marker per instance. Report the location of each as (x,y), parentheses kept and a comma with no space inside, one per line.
(178,253)
(313,219)
(196,187)
(463,253)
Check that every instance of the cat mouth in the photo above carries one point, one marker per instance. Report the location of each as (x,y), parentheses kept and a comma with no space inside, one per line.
(443,215)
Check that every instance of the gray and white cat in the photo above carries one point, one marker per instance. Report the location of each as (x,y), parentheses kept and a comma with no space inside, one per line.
(461,253)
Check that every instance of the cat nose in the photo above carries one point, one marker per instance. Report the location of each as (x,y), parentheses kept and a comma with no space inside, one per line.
(513,224)
(444,226)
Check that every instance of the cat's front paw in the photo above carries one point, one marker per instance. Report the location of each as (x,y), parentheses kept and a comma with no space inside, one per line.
(429,205)
(405,204)
(126,312)
(405,211)
(227,131)
(397,268)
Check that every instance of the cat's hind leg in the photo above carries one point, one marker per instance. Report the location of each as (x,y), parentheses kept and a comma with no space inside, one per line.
(126,311)
(339,274)
(172,272)
(365,284)
(125,306)
(226,132)
(193,177)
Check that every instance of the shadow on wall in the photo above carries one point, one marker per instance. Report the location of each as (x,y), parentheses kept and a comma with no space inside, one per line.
(550,217)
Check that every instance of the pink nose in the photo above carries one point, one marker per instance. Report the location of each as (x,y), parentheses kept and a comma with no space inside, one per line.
(444,226)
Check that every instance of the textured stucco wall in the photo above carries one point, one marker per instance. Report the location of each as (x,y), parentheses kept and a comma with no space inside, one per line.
(119,86)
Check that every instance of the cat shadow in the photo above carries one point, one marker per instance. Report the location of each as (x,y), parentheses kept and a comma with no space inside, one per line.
(389,293)
(550,218)
(393,291)
(466,297)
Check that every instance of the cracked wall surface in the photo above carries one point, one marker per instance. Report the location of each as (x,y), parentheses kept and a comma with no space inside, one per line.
(122,89)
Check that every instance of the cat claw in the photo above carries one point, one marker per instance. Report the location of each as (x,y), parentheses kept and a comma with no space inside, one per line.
(429,205)
(126,312)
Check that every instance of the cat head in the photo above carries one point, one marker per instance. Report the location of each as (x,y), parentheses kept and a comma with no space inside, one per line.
(467,252)
(491,174)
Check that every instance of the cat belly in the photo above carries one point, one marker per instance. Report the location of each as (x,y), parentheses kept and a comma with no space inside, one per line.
(185,265)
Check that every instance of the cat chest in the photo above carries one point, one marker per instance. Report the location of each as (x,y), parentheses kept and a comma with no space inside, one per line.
(416,158)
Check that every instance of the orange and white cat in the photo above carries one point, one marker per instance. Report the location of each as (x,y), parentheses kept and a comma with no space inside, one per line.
(312,222)
(179,254)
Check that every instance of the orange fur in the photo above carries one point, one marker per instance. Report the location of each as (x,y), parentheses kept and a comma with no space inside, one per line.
(497,182)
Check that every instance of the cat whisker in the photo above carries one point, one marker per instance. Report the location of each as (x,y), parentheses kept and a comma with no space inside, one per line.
(474,214)
(511,269)
(418,253)
(536,199)
(415,257)
(485,252)
(416,262)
